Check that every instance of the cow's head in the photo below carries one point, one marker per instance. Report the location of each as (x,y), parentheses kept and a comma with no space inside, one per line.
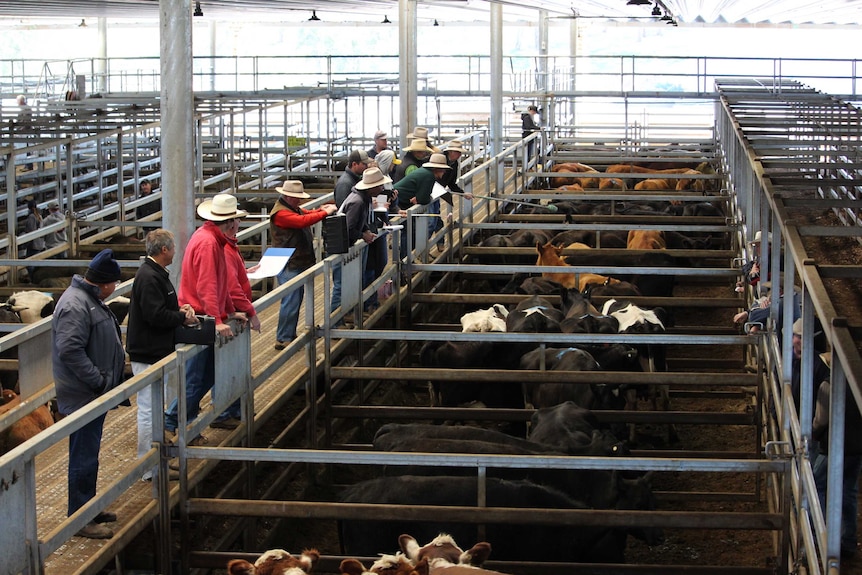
(442,552)
(397,564)
(276,562)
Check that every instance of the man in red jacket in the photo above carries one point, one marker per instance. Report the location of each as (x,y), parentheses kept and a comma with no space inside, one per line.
(290,227)
(204,286)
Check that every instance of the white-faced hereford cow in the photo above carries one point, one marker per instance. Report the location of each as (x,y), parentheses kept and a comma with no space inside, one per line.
(275,562)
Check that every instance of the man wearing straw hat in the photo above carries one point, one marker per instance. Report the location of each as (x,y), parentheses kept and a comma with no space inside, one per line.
(357,208)
(413,156)
(290,227)
(204,286)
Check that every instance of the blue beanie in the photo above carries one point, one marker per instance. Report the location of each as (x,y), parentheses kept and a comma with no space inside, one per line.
(104,269)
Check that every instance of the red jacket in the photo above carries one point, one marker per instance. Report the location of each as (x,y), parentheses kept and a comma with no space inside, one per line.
(204,281)
(240,287)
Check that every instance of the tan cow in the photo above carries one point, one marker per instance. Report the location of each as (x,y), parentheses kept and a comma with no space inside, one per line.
(646,240)
(25,428)
(549,255)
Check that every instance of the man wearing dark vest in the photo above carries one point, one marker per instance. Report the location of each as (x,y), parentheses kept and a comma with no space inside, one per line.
(290,227)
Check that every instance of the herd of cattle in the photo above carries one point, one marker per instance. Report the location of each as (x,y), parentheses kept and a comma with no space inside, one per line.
(565,421)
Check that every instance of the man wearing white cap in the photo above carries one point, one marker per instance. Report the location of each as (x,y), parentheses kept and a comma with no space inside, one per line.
(357,207)
(290,227)
(204,286)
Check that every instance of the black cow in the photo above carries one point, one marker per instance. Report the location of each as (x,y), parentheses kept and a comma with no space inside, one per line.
(534,314)
(552,393)
(581,316)
(647,284)
(512,542)
(470,355)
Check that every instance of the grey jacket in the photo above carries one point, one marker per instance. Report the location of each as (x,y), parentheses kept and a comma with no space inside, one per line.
(86,349)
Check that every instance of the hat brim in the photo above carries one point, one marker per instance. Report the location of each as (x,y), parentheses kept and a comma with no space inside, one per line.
(363,186)
(205,210)
(410,148)
(302,196)
(434,165)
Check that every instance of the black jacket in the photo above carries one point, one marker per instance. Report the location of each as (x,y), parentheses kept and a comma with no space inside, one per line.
(528,126)
(154,313)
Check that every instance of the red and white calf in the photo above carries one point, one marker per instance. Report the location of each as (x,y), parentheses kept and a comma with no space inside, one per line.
(397,564)
(444,557)
(275,562)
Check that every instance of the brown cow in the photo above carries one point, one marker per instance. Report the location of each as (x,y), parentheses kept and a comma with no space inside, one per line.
(614,183)
(574,168)
(25,428)
(646,240)
(275,562)
(549,255)
(654,185)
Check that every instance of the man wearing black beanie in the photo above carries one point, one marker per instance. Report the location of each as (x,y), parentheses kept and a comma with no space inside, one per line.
(88,360)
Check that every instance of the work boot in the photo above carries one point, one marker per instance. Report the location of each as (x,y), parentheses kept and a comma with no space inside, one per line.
(93,530)
(105,517)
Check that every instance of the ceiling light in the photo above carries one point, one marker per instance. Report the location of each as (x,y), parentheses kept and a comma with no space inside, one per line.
(638,3)
(83,24)
(436,23)
(198,11)
(386,20)
(666,17)
(656,11)
(314,17)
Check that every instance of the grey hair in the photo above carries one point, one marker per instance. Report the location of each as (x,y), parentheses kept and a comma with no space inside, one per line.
(158,239)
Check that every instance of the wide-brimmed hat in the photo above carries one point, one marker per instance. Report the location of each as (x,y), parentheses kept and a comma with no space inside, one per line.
(759,236)
(420,133)
(417,145)
(220,208)
(436,161)
(455,146)
(292,189)
(371,178)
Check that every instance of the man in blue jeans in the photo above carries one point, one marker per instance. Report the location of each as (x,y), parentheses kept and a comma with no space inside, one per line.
(88,360)
(204,286)
(290,227)
(357,208)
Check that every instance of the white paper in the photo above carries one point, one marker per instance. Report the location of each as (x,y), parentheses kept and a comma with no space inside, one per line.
(272,262)
(438,191)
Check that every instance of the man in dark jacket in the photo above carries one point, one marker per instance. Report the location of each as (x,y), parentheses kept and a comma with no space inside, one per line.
(528,127)
(412,158)
(290,227)
(154,314)
(88,360)
(357,162)
(357,208)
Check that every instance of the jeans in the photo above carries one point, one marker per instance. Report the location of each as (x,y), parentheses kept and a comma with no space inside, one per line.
(288,314)
(145,416)
(84,463)
(200,377)
(850,490)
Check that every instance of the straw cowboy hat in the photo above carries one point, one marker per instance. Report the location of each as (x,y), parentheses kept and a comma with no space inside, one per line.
(372,178)
(455,146)
(436,161)
(220,208)
(292,189)
(417,145)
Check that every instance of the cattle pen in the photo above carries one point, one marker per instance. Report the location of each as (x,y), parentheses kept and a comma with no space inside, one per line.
(331,390)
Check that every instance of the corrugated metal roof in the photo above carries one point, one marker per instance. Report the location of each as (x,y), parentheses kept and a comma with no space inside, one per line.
(709,12)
